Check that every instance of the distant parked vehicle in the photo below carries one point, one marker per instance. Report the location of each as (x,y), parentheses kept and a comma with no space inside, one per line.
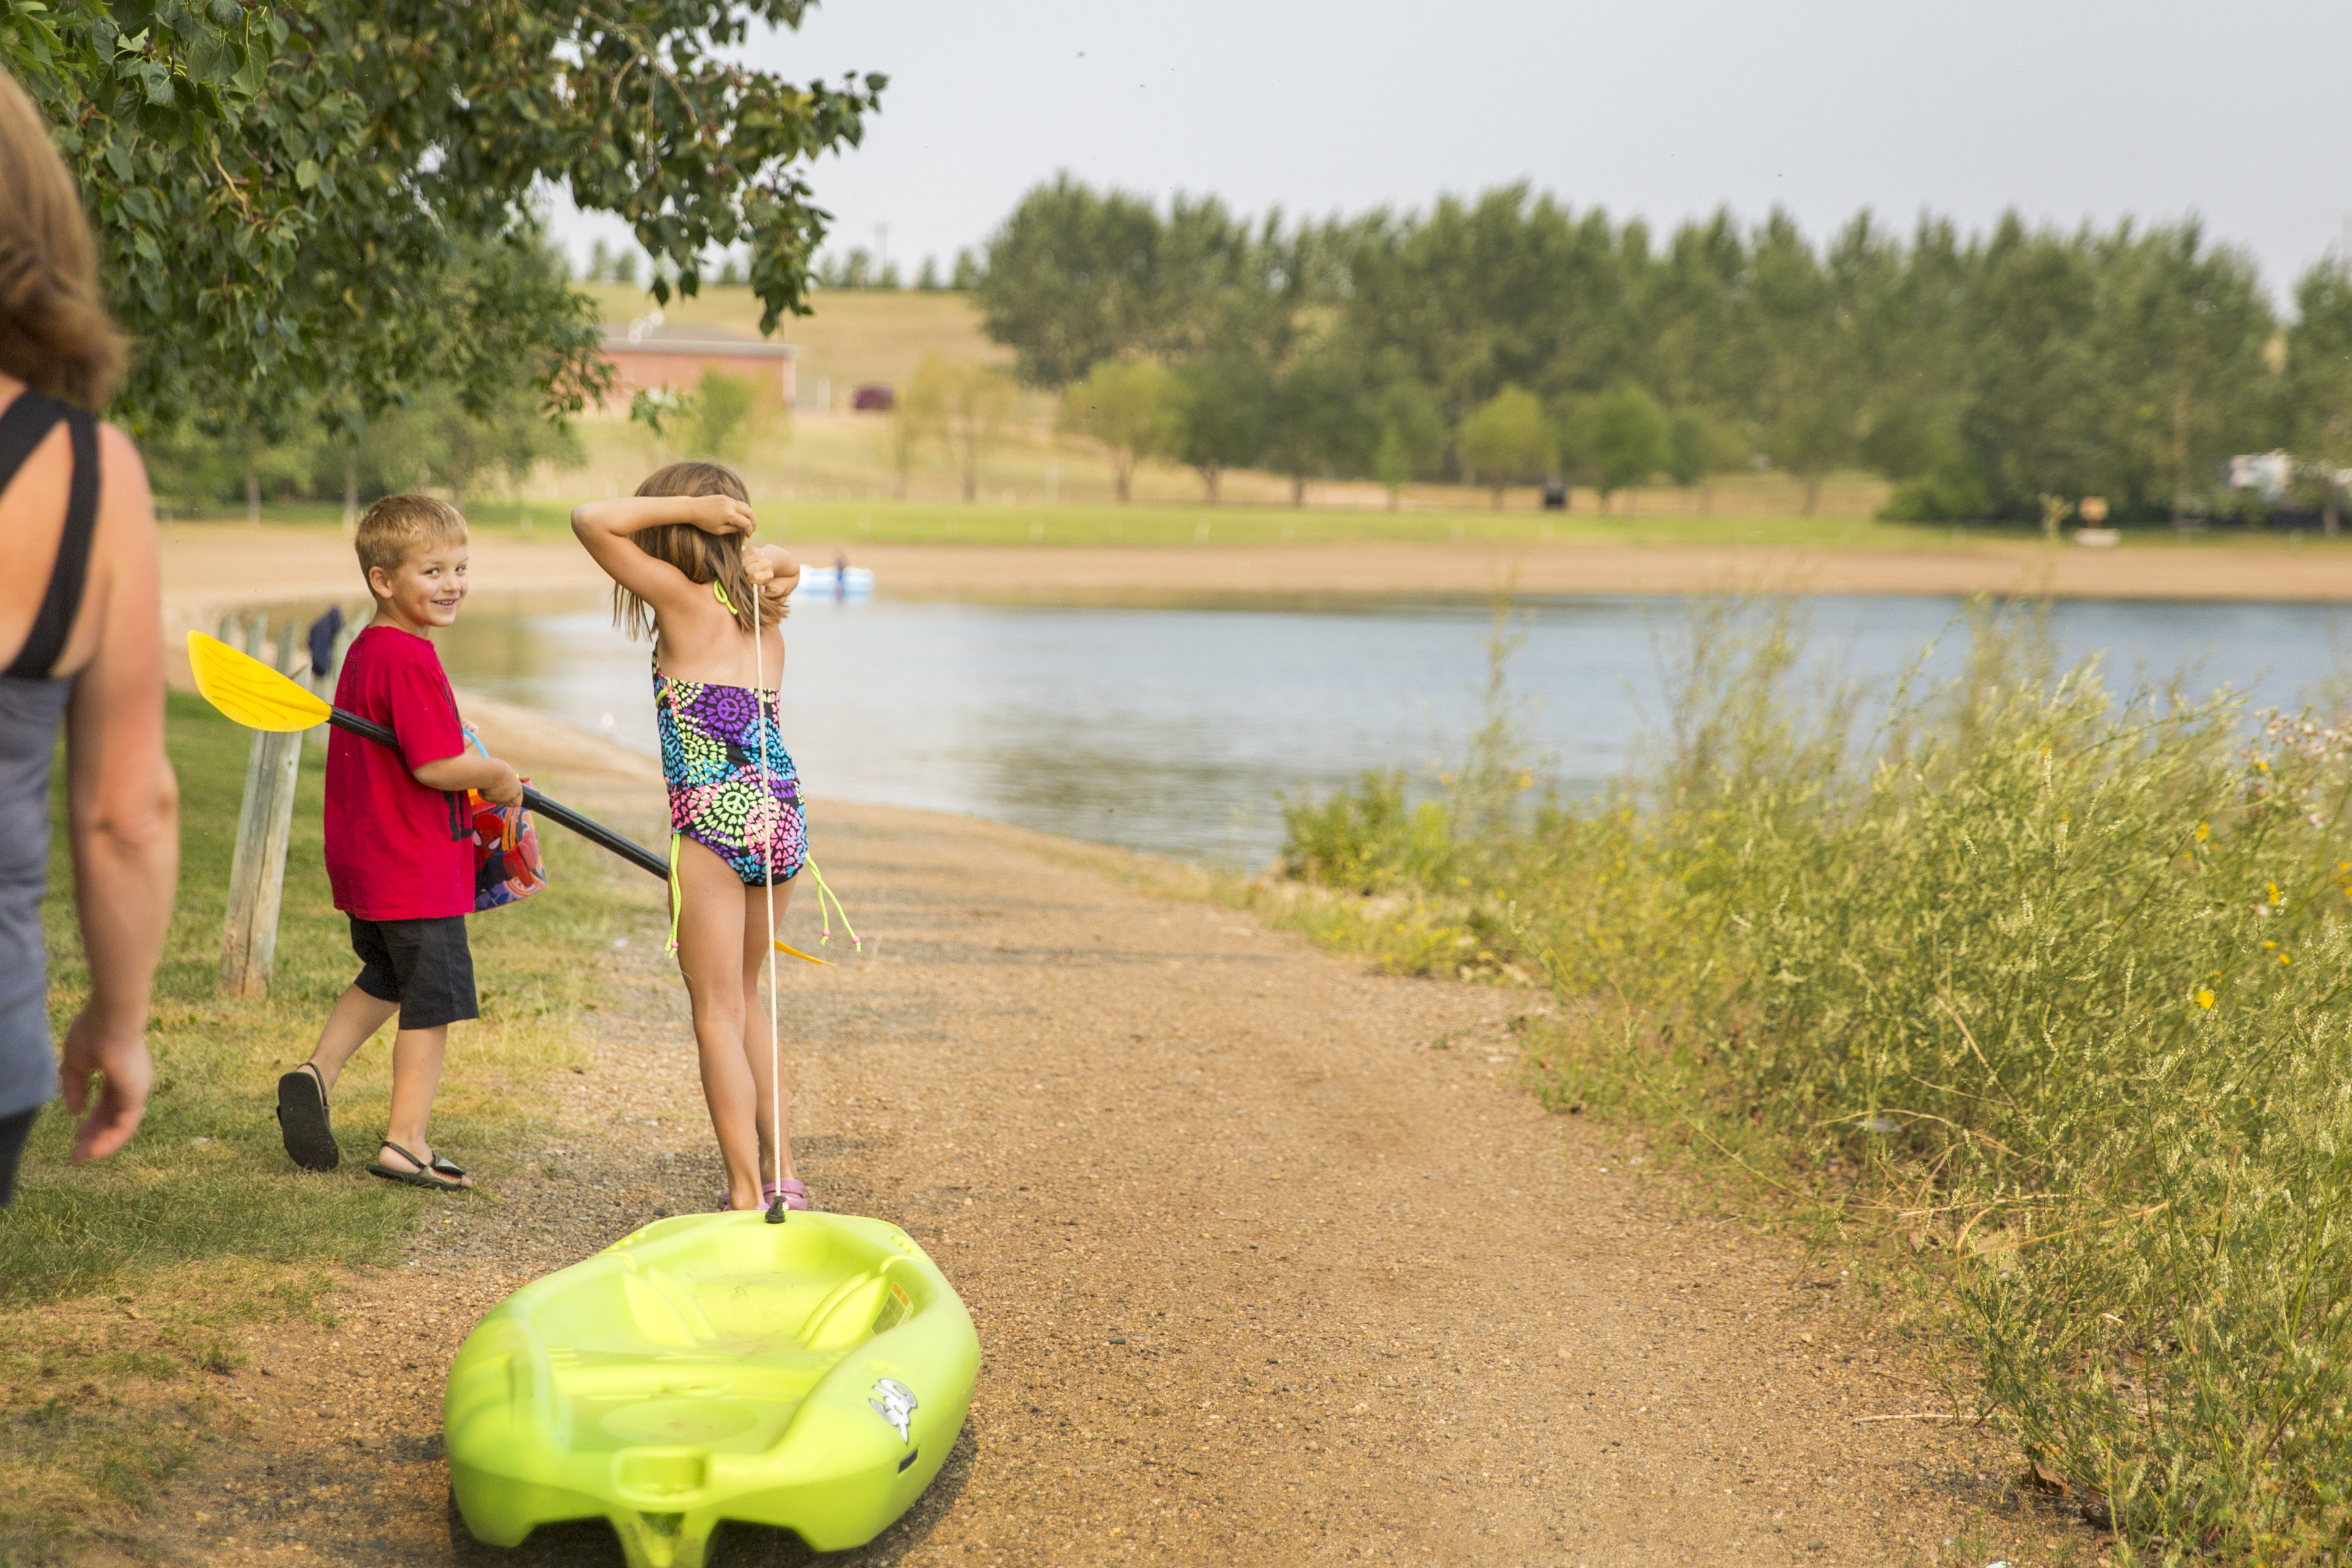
(874,397)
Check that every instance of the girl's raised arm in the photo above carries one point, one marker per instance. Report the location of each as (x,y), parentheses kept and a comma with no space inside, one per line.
(772,567)
(605,527)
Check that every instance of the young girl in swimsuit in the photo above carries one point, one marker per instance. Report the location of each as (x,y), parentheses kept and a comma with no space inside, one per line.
(683,569)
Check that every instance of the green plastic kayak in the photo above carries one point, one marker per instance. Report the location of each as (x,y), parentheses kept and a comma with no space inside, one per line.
(809,1375)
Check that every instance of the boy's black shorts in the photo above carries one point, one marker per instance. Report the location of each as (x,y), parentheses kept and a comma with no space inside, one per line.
(423,965)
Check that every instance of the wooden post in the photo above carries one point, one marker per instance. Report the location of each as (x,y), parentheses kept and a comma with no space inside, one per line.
(256,877)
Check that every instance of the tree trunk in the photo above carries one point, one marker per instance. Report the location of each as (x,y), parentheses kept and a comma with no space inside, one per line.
(2327,513)
(2180,460)
(1498,497)
(1706,499)
(252,495)
(1396,498)
(1122,474)
(1209,472)
(1812,494)
(351,490)
(1298,489)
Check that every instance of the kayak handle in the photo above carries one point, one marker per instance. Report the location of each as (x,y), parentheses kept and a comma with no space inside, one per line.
(588,828)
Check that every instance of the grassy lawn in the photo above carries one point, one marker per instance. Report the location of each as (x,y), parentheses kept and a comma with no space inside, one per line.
(884,521)
(123,1285)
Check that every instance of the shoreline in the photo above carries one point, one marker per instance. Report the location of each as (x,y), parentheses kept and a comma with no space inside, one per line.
(211,570)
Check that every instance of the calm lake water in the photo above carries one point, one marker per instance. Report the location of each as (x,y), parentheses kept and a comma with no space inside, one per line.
(1177,731)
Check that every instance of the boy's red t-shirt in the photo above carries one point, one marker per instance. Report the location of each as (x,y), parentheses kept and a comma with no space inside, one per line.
(395,849)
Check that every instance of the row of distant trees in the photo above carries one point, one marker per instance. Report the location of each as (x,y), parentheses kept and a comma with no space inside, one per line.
(1508,338)
(856,268)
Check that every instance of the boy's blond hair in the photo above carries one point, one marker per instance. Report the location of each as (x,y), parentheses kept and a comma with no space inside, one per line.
(399,524)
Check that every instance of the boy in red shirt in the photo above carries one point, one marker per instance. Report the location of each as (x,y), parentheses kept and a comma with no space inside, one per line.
(400,852)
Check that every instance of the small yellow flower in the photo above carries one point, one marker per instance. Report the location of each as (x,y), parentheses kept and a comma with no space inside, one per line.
(2269,944)
(2260,766)
(2204,998)
(2274,894)
(2285,958)
(2204,831)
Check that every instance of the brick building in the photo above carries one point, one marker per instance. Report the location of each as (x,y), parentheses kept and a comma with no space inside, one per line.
(652,355)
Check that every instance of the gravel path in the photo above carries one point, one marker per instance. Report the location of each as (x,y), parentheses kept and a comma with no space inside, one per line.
(1271,1261)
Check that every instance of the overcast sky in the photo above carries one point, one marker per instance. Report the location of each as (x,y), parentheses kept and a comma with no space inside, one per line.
(2066,110)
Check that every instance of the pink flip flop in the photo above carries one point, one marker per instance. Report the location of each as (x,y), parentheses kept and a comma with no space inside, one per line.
(795,1196)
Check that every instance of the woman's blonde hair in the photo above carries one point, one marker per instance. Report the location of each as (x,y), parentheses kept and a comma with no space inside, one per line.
(55,333)
(704,557)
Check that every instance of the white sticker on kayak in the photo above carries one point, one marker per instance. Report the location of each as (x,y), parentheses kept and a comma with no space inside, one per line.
(895,1403)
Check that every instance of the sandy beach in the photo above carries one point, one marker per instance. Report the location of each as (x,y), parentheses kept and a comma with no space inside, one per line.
(211,568)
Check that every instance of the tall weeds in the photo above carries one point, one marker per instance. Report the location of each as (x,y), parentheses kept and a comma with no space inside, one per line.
(2043,986)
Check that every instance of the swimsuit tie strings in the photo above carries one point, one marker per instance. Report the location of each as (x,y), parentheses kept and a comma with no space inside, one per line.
(675,898)
(826,896)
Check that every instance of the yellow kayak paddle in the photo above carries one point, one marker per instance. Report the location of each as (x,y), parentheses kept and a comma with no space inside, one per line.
(252,694)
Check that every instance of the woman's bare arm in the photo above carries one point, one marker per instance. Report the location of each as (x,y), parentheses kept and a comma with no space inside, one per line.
(123,810)
(604,527)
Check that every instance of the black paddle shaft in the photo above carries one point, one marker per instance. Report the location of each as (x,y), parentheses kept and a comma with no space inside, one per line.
(588,828)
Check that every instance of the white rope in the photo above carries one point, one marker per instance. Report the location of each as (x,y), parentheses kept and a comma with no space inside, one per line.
(775,1050)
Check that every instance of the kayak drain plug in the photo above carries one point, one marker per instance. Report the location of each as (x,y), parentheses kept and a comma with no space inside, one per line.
(776,1210)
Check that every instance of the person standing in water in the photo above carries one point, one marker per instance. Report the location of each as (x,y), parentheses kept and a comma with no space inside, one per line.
(683,569)
(81,645)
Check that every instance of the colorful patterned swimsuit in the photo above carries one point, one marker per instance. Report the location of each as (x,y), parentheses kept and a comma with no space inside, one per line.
(717,796)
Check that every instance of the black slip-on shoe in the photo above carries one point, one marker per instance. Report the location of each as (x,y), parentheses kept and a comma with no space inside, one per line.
(302,1120)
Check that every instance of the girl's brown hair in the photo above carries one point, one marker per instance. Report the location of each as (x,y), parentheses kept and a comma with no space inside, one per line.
(704,557)
(55,333)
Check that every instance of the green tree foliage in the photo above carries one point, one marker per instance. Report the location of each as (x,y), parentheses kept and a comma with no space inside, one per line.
(1624,438)
(968,409)
(722,413)
(2184,341)
(2317,389)
(1074,277)
(1982,371)
(1125,405)
(324,208)
(1411,439)
(1222,406)
(1697,448)
(1320,424)
(1507,441)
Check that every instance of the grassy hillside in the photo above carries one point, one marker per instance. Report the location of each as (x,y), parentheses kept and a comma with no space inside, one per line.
(857,336)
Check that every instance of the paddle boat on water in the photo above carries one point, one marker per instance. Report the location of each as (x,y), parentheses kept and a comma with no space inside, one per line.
(809,1375)
(834,583)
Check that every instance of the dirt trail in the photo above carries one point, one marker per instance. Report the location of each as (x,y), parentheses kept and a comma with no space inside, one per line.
(1272,1263)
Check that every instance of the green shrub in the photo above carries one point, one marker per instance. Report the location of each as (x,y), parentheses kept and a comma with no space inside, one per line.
(1951,492)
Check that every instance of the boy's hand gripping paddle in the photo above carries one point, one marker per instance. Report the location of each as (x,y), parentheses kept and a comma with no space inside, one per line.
(252,694)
